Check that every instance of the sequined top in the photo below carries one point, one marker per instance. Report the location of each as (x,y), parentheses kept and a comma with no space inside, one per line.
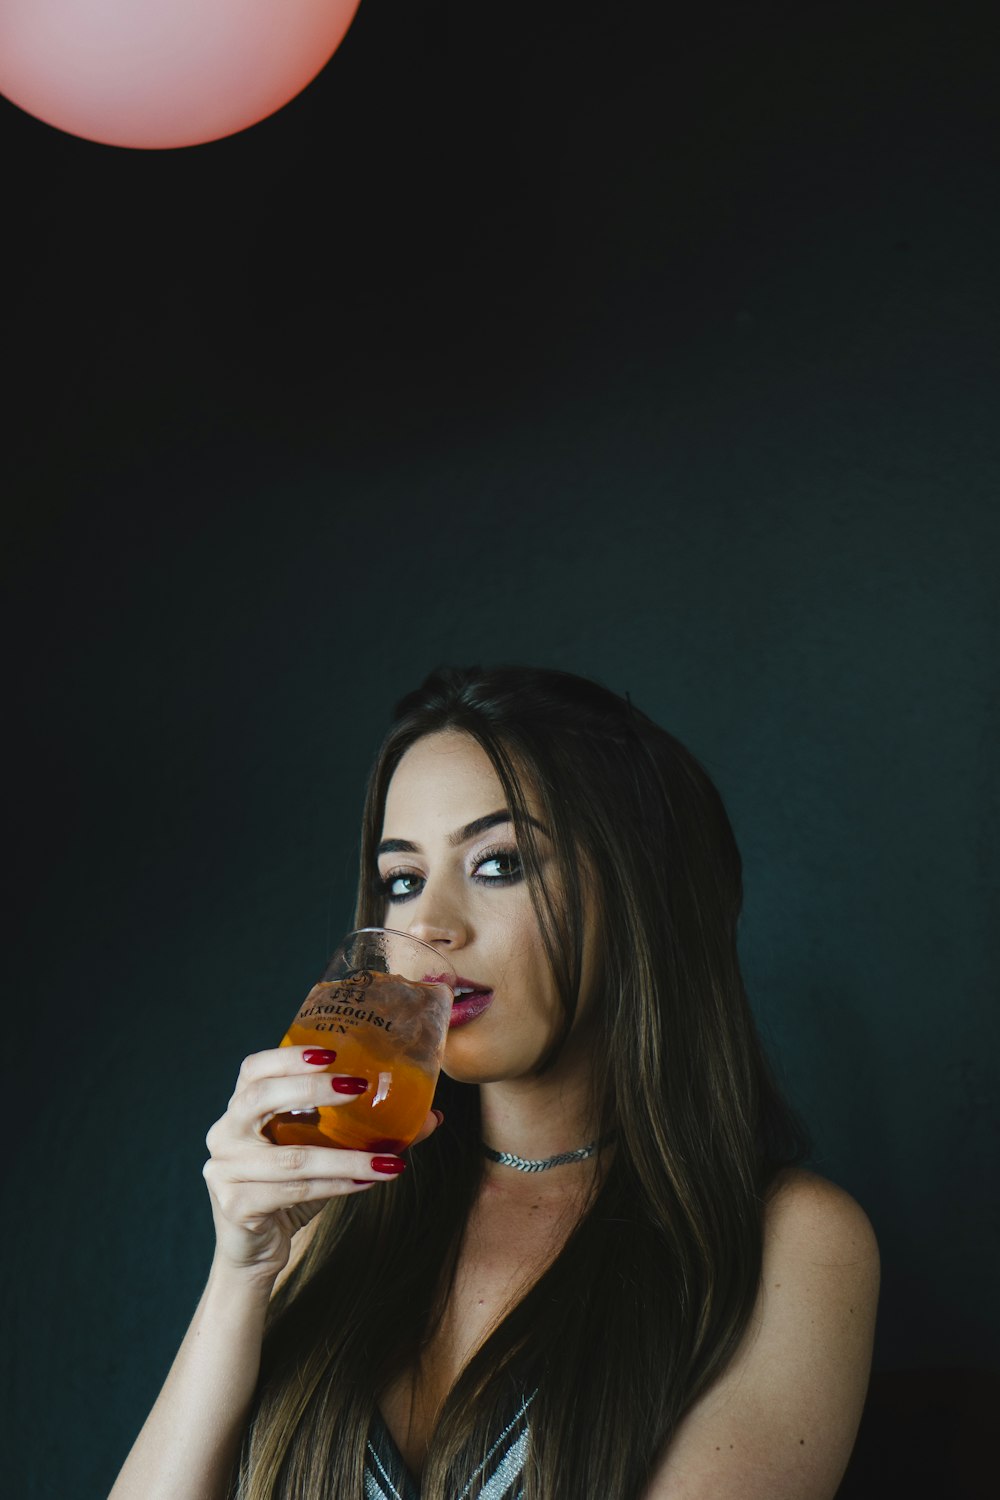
(499,1476)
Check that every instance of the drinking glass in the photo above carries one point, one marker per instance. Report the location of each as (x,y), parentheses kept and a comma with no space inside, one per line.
(383,1006)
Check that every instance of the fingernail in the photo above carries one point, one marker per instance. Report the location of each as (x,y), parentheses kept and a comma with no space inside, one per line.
(390,1164)
(438,1115)
(319,1055)
(349,1085)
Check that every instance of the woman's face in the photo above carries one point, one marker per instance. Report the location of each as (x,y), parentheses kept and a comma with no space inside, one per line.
(450,871)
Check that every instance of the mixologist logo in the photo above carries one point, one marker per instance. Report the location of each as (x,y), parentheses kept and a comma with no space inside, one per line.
(337,1006)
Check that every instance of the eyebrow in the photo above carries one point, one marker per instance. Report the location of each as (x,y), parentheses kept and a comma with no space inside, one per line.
(461,835)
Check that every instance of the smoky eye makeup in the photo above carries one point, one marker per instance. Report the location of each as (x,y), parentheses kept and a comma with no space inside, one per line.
(507,860)
(393,886)
(498,865)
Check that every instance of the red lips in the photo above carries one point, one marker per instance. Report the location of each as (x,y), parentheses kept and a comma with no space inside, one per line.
(459,984)
(468,1009)
(471,998)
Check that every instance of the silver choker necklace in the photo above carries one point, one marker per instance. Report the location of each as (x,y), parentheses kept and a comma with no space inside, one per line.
(508,1159)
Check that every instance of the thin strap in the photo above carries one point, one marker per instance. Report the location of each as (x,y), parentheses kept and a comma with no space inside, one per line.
(521,1443)
(383,1457)
(386,1476)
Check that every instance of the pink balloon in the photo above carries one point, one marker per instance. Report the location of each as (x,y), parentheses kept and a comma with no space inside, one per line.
(161,73)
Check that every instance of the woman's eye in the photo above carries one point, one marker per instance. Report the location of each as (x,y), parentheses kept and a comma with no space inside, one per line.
(502,867)
(494,867)
(399,887)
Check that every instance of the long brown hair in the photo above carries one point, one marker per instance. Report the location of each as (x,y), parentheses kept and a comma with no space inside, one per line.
(647,1301)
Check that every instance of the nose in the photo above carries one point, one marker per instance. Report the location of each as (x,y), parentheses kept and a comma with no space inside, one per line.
(437,922)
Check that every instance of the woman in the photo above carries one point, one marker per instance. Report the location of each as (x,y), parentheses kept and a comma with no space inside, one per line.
(664,1304)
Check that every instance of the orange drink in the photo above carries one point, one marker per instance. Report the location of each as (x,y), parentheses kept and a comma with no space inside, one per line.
(383,1026)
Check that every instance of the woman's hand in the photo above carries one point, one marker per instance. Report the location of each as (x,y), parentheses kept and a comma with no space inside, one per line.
(262,1193)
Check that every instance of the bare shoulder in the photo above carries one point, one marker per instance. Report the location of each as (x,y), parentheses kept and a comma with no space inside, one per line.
(780,1421)
(805,1213)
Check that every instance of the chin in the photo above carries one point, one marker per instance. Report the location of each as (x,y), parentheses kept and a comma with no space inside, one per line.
(473,1070)
(467,1063)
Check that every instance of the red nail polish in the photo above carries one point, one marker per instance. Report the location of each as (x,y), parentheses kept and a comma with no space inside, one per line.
(349,1085)
(390,1164)
(320,1056)
(438,1115)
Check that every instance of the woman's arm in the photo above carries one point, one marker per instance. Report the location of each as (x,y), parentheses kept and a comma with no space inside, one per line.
(262,1196)
(780,1423)
(188,1446)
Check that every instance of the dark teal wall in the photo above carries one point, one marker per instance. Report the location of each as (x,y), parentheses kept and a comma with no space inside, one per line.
(666,358)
